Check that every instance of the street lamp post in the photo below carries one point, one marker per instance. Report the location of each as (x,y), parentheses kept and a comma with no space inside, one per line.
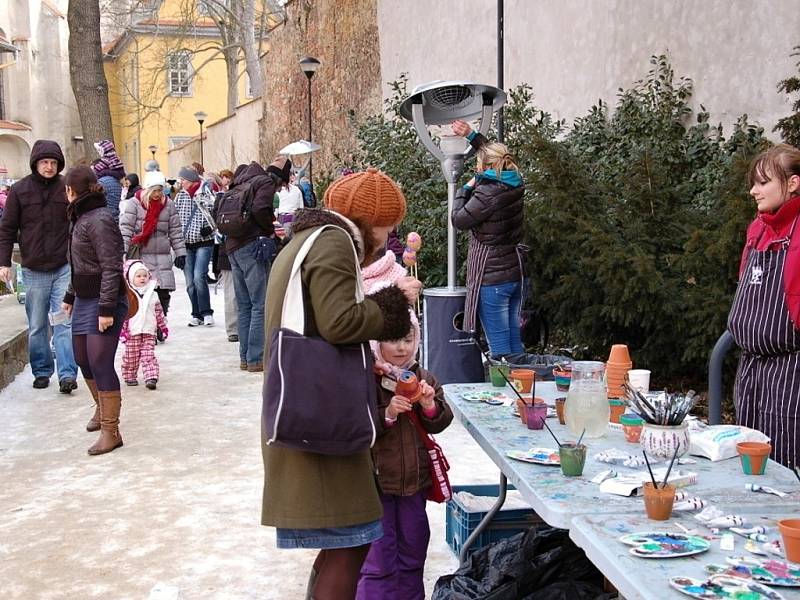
(153,149)
(309,65)
(201,117)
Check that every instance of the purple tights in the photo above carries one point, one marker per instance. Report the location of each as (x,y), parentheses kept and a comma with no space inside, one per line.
(95,356)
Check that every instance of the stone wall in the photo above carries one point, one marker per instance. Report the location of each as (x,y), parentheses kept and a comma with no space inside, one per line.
(13,339)
(343,36)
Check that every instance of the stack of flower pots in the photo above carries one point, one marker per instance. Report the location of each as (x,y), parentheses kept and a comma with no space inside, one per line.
(619,363)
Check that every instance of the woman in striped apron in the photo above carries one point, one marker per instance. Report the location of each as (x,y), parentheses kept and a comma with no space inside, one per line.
(490,208)
(765,316)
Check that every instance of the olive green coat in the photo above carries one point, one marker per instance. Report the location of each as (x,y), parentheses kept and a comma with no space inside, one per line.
(303,490)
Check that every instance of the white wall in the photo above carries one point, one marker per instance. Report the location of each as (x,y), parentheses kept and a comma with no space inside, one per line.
(226,142)
(575,51)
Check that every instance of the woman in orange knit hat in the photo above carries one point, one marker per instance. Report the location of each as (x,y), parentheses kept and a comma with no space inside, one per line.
(322,501)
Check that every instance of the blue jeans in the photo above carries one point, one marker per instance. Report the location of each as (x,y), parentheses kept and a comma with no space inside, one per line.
(250,282)
(196,272)
(499,308)
(44,293)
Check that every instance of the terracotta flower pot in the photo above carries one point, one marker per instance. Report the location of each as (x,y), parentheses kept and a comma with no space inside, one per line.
(754,457)
(790,532)
(408,387)
(521,410)
(617,409)
(562,378)
(522,379)
(631,427)
(658,501)
(619,353)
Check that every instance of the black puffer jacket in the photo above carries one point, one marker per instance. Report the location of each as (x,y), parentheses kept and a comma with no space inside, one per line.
(262,212)
(95,254)
(36,211)
(493,211)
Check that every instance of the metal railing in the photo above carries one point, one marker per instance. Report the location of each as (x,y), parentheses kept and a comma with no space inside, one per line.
(715,387)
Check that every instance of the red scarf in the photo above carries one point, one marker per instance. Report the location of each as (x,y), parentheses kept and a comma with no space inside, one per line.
(150,222)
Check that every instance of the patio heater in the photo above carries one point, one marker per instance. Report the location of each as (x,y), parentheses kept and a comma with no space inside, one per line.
(447,350)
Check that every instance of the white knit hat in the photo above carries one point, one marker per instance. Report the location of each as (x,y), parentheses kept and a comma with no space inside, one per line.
(154,178)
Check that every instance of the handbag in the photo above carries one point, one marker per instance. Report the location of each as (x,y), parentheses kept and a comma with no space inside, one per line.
(318,397)
(134,252)
(441,490)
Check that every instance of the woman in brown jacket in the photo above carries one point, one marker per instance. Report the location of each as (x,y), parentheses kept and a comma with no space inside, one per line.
(96,300)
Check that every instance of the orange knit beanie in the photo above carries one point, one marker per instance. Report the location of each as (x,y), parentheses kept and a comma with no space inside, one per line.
(371,197)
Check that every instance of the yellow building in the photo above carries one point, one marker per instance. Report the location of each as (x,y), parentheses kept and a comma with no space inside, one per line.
(165,66)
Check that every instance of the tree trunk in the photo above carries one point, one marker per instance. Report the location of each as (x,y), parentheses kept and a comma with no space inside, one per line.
(86,72)
(252,64)
(232,70)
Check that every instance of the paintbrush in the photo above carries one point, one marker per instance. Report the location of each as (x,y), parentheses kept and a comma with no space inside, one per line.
(580,438)
(551,432)
(647,462)
(669,469)
(511,385)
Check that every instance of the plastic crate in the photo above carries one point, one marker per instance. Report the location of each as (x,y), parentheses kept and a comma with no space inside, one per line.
(460,523)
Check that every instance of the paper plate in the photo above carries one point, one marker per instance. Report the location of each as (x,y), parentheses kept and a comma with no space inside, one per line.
(537,456)
(768,571)
(664,544)
(722,587)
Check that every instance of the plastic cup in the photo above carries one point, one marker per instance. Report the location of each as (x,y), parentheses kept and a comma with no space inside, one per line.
(535,414)
(658,501)
(573,457)
(639,379)
(496,374)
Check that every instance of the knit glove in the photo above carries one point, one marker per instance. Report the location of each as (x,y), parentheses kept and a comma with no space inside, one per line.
(180,262)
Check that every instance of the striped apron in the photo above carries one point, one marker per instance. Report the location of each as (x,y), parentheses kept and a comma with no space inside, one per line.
(767,388)
(477,254)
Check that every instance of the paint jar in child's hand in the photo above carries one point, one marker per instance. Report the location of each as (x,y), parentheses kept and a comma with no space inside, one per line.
(658,501)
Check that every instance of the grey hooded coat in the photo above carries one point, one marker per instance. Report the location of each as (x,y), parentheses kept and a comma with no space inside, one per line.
(167,238)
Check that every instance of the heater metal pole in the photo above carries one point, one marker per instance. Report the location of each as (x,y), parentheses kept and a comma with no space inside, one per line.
(451,237)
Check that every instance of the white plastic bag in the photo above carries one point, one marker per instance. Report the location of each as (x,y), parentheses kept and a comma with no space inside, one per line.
(718,442)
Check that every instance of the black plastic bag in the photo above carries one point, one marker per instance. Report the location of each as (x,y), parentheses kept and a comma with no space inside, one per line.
(541,564)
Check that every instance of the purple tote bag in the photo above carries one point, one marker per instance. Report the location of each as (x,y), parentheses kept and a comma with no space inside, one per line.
(318,397)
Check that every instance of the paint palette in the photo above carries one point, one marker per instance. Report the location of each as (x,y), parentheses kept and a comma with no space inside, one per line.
(723,587)
(663,544)
(537,456)
(767,571)
(488,397)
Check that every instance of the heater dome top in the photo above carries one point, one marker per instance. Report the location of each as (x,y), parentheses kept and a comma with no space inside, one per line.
(445,101)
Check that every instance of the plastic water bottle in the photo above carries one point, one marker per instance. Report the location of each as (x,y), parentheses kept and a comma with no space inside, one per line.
(20,285)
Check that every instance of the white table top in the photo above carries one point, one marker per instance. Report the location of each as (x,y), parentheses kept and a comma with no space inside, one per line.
(646,578)
(558,499)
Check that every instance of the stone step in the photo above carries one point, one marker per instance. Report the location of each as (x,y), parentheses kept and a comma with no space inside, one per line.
(13,339)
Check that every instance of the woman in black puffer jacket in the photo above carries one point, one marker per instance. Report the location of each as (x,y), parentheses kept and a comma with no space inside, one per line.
(490,207)
(96,299)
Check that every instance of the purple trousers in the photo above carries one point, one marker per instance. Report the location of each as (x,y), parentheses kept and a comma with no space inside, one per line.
(395,563)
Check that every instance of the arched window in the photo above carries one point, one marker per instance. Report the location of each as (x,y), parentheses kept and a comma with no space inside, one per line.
(179,73)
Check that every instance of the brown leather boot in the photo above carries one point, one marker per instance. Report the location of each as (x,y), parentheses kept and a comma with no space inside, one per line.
(110,439)
(94,422)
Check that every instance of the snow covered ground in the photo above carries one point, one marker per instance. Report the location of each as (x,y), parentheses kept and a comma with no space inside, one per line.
(179,504)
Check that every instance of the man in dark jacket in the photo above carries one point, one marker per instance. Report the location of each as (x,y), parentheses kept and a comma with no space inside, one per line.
(36,213)
(251,254)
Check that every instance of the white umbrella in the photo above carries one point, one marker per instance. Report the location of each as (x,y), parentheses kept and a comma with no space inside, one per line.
(300,147)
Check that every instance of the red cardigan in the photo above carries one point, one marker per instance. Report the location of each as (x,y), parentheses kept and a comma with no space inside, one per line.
(773,226)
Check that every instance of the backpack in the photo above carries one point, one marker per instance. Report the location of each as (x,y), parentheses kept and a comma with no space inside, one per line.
(309,197)
(233,210)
